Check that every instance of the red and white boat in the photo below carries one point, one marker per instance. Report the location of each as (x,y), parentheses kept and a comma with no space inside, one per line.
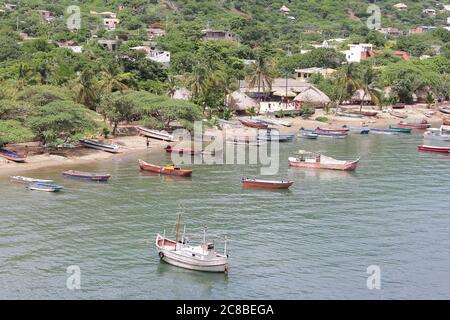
(333,130)
(13,156)
(182,150)
(446,122)
(414,125)
(266,184)
(434,149)
(169,170)
(315,160)
(254,124)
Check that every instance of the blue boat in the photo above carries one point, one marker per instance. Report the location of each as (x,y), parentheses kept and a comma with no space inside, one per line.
(13,156)
(360,130)
(277,137)
(391,130)
(45,187)
(308,135)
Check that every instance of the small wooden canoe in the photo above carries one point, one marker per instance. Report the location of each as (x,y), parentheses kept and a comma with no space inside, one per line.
(13,156)
(95,144)
(308,135)
(326,134)
(80,175)
(401,130)
(434,149)
(254,124)
(333,130)
(169,170)
(414,125)
(155,134)
(445,109)
(398,114)
(170,149)
(265,184)
(45,187)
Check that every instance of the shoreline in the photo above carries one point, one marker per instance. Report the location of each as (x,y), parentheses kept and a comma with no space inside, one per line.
(136,144)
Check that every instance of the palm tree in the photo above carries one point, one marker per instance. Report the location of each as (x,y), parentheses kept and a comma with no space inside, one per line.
(171,85)
(109,81)
(87,91)
(260,76)
(367,83)
(347,81)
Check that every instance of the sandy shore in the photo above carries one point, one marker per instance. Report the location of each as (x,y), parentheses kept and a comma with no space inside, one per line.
(68,157)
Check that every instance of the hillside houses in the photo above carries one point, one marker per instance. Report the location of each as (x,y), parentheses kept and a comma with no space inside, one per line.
(401,6)
(214,35)
(154,54)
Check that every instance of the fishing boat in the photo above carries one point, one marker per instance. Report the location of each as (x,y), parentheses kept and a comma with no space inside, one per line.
(390,130)
(441,134)
(414,125)
(254,124)
(45,187)
(169,170)
(308,135)
(315,160)
(434,149)
(359,130)
(80,175)
(399,106)
(269,136)
(155,134)
(326,134)
(180,253)
(348,114)
(445,109)
(13,156)
(400,130)
(96,144)
(398,114)
(29,180)
(333,130)
(171,149)
(266,184)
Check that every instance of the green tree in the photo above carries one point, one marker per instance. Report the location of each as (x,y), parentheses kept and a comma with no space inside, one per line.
(12,131)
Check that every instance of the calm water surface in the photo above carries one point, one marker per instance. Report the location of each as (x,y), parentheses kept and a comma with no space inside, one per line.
(314,241)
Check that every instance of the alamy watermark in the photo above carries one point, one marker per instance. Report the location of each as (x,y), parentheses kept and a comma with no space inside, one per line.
(374,280)
(374,20)
(74,20)
(74,279)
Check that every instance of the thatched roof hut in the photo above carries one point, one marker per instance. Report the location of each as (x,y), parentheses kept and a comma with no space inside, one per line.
(359,95)
(313,95)
(239,101)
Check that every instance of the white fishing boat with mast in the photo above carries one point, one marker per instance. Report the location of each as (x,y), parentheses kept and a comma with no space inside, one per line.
(180,253)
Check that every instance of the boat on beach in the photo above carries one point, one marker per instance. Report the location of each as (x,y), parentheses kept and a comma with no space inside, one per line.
(171,149)
(29,180)
(266,184)
(246,141)
(445,109)
(434,149)
(270,136)
(254,124)
(96,144)
(349,114)
(315,160)
(80,175)
(45,187)
(333,130)
(180,253)
(155,134)
(398,114)
(414,125)
(169,170)
(326,134)
(12,156)
(441,134)
(400,130)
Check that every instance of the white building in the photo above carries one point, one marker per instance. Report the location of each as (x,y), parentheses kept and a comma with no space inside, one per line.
(429,11)
(155,54)
(357,52)
(110,23)
(401,6)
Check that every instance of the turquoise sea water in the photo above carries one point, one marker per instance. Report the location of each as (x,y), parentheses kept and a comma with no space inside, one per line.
(315,240)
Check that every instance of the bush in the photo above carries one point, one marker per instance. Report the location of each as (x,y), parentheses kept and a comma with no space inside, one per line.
(322,119)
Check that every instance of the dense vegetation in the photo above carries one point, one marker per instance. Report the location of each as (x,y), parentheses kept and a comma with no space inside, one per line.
(55,95)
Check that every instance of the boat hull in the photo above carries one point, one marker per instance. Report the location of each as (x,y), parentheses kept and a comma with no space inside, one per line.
(183,151)
(409,125)
(86,176)
(446,122)
(162,170)
(29,180)
(100,146)
(279,138)
(248,183)
(445,110)
(253,124)
(348,166)
(154,134)
(12,156)
(45,187)
(434,149)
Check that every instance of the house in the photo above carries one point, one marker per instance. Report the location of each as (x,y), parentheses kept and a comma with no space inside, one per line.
(357,52)
(447,7)
(105,14)
(111,45)
(308,72)
(390,31)
(448,20)
(401,6)
(155,32)
(154,54)
(71,45)
(429,11)
(45,14)
(325,44)
(25,37)
(422,29)
(285,9)
(213,35)
(110,23)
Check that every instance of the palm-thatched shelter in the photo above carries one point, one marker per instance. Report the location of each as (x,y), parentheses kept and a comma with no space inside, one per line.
(239,101)
(313,96)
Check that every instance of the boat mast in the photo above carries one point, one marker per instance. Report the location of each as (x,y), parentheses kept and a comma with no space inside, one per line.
(178,228)
(225,247)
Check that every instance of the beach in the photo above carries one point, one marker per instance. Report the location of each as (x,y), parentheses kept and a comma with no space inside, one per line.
(66,157)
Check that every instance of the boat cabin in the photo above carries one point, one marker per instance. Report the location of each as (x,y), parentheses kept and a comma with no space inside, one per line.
(310,157)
